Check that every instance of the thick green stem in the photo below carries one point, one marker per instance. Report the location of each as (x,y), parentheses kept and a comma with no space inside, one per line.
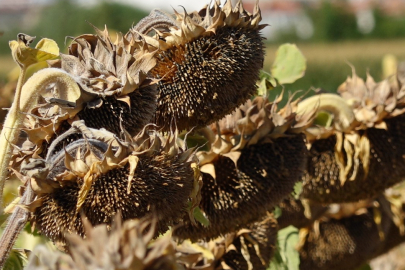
(9,135)
(332,103)
(26,98)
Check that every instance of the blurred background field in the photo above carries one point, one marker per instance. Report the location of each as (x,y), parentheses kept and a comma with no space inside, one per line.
(330,34)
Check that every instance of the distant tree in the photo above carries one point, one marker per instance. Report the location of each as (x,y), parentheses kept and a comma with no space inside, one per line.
(66,18)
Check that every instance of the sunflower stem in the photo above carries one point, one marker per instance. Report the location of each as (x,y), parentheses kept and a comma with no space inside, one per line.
(9,134)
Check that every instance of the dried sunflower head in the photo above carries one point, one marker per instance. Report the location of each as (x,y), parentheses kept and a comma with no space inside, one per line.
(248,172)
(208,63)
(373,102)
(125,246)
(115,75)
(348,242)
(249,248)
(352,163)
(100,175)
(100,81)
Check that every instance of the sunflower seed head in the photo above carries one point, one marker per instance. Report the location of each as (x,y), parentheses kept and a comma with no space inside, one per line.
(126,245)
(207,64)
(373,102)
(100,175)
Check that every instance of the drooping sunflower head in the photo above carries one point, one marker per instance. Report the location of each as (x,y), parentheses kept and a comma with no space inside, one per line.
(249,248)
(354,141)
(113,77)
(208,62)
(373,102)
(249,168)
(99,176)
(127,245)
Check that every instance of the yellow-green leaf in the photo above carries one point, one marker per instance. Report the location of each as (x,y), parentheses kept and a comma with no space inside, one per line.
(48,45)
(289,65)
(200,217)
(323,119)
(25,56)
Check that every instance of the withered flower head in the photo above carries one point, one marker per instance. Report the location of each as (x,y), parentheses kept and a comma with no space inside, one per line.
(113,77)
(100,175)
(250,170)
(373,102)
(249,248)
(208,62)
(351,163)
(126,246)
(345,243)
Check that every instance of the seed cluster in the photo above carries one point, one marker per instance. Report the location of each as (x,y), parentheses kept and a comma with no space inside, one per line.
(264,174)
(342,244)
(207,78)
(322,182)
(161,185)
(116,116)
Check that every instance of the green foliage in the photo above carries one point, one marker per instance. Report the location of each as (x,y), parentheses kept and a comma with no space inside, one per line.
(333,22)
(388,27)
(199,216)
(277,212)
(365,267)
(289,65)
(297,190)
(286,256)
(17,259)
(267,83)
(65,18)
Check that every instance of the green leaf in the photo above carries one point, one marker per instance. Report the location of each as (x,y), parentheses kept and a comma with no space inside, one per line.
(277,212)
(267,83)
(277,262)
(25,56)
(323,119)
(200,217)
(287,256)
(17,259)
(297,190)
(289,65)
